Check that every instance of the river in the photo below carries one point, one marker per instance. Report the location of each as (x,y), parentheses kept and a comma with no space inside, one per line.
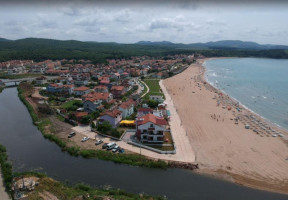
(28,150)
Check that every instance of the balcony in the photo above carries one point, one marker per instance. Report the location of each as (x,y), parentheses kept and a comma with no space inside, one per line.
(158,133)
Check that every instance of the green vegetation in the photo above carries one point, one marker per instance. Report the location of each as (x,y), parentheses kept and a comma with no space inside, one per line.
(4,75)
(85,119)
(81,191)
(130,159)
(27,104)
(152,103)
(43,49)
(72,105)
(6,168)
(154,87)
(107,129)
(1,89)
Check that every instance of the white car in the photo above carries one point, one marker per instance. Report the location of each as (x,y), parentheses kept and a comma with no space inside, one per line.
(84,139)
(115,149)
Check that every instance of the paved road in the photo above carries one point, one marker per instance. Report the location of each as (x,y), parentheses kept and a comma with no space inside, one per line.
(3,194)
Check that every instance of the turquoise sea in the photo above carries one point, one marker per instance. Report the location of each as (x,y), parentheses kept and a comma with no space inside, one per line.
(259,84)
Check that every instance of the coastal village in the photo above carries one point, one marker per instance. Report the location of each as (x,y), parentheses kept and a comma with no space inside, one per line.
(132,107)
(117,106)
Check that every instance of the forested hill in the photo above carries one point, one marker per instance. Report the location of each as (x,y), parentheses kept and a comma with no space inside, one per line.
(42,49)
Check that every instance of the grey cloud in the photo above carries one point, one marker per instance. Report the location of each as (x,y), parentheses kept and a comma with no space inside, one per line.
(123,16)
(214,22)
(72,11)
(87,21)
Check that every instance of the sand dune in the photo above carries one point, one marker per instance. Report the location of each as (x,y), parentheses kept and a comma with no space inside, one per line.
(221,145)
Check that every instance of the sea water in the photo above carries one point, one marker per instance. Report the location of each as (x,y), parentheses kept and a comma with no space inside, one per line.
(259,84)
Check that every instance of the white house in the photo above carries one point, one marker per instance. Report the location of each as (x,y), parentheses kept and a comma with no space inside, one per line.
(127,109)
(41,80)
(38,68)
(113,117)
(157,98)
(91,105)
(81,90)
(150,128)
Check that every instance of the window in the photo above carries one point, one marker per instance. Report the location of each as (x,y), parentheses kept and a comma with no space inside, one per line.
(151,125)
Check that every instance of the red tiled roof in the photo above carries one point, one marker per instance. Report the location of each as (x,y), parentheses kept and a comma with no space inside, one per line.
(145,110)
(105,81)
(68,86)
(80,114)
(117,87)
(151,118)
(126,105)
(114,113)
(82,88)
(100,87)
(93,96)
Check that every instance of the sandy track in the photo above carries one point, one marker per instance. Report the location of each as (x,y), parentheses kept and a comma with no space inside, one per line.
(221,145)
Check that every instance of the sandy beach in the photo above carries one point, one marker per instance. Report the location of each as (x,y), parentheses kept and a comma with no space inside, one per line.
(215,126)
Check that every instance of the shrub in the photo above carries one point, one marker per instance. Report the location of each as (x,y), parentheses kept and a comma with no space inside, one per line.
(6,168)
(73,151)
(104,127)
(55,139)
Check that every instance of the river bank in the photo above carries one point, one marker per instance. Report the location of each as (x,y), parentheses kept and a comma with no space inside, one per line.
(44,187)
(49,188)
(5,174)
(222,147)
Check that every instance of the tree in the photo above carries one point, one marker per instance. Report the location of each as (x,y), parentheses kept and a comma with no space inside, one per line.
(85,119)
(93,126)
(115,133)
(104,127)
(152,103)
(95,114)
(45,109)
(124,98)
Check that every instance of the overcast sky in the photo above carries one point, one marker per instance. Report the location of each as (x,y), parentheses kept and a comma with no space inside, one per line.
(128,22)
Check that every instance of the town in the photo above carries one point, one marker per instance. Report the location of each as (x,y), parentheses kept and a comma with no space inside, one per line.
(119,103)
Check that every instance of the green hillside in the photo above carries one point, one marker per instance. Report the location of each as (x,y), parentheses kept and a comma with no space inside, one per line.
(42,49)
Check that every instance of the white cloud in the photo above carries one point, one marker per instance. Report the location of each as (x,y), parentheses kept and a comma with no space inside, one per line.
(183,22)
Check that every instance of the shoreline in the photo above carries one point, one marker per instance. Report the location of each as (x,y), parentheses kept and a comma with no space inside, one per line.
(236,100)
(271,180)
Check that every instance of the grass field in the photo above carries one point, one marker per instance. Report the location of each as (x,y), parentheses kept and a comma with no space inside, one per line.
(154,87)
(69,104)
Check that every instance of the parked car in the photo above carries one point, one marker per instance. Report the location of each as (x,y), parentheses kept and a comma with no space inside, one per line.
(121,150)
(84,139)
(115,149)
(111,145)
(71,134)
(104,146)
(99,142)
